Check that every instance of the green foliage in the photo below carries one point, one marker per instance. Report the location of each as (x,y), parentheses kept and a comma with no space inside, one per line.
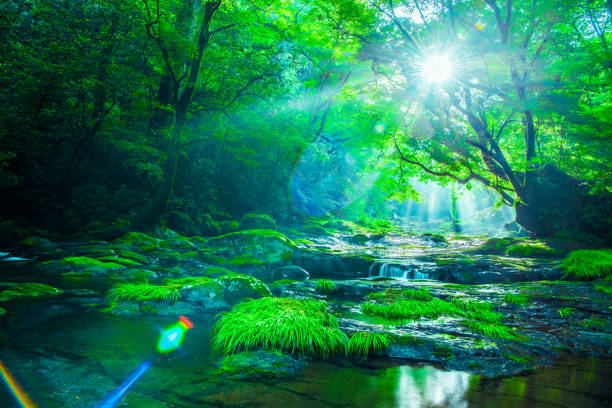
(516,299)
(279,324)
(23,290)
(566,311)
(388,294)
(493,330)
(605,288)
(325,286)
(90,262)
(532,250)
(442,351)
(258,221)
(362,344)
(588,264)
(143,291)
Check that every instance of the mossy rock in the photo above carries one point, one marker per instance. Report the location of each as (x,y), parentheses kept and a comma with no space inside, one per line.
(133,275)
(182,244)
(258,221)
(216,271)
(238,286)
(2,311)
(83,261)
(254,365)
(38,242)
(244,259)
(24,290)
(528,249)
(132,255)
(117,260)
(138,240)
(269,247)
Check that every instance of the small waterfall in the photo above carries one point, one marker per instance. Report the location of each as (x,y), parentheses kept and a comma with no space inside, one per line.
(396,271)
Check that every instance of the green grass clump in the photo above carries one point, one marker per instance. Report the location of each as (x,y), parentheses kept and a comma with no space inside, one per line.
(416,294)
(362,344)
(604,288)
(532,250)
(566,311)
(516,299)
(279,324)
(325,286)
(493,330)
(144,291)
(587,264)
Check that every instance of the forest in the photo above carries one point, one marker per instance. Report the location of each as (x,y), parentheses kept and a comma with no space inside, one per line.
(412,196)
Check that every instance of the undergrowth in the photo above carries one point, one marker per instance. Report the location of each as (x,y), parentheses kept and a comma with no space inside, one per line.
(516,299)
(325,286)
(588,264)
(292,326)
(362,344)
(144,291)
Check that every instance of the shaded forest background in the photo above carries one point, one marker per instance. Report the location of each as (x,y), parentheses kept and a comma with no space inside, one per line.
(119,115)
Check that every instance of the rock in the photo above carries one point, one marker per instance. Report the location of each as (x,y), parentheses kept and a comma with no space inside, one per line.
(258,221)
(28,290)
(321,264)
(358,239)
(293,272)
(253,365)
(10,234)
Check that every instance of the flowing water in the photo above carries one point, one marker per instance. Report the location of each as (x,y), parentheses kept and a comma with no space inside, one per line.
(66,353)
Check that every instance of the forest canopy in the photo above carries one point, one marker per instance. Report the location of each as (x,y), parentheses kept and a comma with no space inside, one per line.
(123,114)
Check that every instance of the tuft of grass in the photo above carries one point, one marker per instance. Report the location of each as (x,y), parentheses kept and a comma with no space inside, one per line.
(416,294)
(566,311)
(604,288)
(530,249)
(587,264)
(516,299)
(325,286)
(144,291)
(361,344)
(493,330)
(279,324)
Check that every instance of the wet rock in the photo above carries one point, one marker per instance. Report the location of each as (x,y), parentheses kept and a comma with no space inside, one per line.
(293,272)
(322,264)
(255,365)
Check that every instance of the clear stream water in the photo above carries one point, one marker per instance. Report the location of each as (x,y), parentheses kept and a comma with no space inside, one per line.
(66,353)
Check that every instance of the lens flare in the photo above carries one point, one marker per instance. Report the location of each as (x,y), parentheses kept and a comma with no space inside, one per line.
(114,397)
(18,392)
(436,68)
(172,337)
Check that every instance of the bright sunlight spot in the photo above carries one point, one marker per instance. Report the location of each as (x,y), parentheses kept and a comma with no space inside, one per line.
(436,69)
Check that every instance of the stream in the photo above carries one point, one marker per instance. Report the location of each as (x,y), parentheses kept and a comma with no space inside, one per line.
(67,354)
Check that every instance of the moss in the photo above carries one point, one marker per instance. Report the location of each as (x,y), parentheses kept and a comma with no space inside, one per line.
(2,311)
(245,259)
(258,364)
(588,264)
(182,244)
(382,279)
(117,260)
(279,324)
(216,271)
(362,344)
(408,340)
(90,262)
(532,250)
(23,290)
(325,286)
(516,299)
(442,351)
(258,221)
(282,282)
(594,323)
(494,245)
(524,360)
(233,282)
(254,234)
(138,239)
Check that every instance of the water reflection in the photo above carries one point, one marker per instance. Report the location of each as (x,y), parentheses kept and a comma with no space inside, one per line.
(428,387)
